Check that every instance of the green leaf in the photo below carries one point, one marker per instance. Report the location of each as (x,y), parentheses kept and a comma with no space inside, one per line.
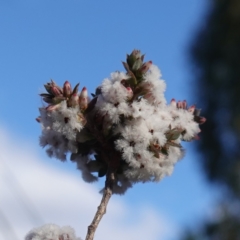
(46,95)
(48,88)
(132,81)
(197,112)
(75,90)
(57,100)
(48,100)
(173,134)
(137,64)
(126,66)
(136,54)
(174,144)
(84,136)
(98,90)
(91,105)
(164,151)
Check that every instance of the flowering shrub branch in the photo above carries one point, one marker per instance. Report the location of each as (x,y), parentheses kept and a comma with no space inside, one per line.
(103,205)
(126,131)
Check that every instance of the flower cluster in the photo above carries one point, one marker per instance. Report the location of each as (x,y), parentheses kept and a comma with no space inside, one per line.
(52,232)
(127,126)
(62,119)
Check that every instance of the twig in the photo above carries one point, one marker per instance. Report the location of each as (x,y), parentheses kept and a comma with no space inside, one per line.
(103,205)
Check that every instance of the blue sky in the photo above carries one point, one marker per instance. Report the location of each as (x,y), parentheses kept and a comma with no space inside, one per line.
(84,41)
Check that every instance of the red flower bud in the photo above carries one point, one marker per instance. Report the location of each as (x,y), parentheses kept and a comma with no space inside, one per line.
(191,109)
(145,67)
(73,101)
(130,92)
(179,104)
(184,104)
(202,120)
(67,89)
(83,99)
(56,91)
(51,108)
(173,103)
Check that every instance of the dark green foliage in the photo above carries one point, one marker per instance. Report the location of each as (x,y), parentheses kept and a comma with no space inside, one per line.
(216,56)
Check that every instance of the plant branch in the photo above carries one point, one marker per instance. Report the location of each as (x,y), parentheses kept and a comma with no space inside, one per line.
(110,178)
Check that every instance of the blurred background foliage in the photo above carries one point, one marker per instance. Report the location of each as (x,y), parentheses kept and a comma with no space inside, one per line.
(215,55)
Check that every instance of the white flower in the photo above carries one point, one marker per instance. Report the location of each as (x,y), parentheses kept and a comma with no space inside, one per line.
(129,114)
(52,232)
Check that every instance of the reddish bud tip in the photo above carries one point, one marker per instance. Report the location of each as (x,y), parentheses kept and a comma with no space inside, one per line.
(73,101)
(129,89)
(130,92)
(145,67)
(196,137)
(38,119)
(83,99)
(191,109)
(184,104)
(67,89)
(84,93)
(202,120)
(56,92)
(173,103)
(179,104)
(52,107)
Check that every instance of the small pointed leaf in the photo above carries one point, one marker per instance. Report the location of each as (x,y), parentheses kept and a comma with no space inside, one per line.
(91,105)
(137,64)
(75,90)
(126,66)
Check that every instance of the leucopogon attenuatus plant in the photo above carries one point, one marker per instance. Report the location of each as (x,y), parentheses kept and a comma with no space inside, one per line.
(126,132)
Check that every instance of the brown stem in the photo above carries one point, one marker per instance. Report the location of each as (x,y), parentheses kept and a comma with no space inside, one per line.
(103,205)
